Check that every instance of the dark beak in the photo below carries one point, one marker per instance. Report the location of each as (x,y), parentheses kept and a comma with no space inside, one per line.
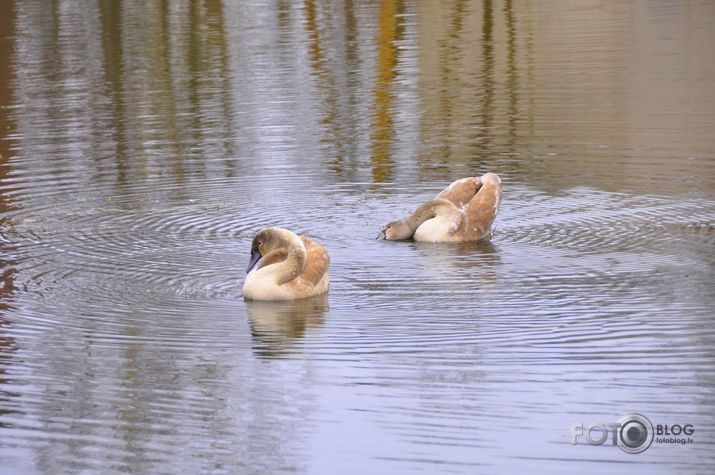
(255,257)
(382,235)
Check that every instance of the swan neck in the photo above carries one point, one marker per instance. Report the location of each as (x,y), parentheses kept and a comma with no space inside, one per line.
(421,214)
(429,210)
(294,263)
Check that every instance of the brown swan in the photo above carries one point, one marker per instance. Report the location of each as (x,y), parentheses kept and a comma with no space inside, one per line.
(285,266)
(462,212)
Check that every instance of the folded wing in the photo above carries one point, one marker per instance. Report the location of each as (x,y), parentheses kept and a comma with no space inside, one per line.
(480,212)
(317,262)
(461,191)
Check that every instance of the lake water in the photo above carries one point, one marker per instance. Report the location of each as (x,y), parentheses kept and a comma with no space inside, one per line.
(143,144)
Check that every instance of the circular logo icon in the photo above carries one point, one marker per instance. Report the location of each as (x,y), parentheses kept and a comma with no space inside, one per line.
(635,434)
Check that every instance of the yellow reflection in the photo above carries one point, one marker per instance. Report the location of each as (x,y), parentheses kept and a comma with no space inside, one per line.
(311,25)
(327,75)
(390,31)
(166,70)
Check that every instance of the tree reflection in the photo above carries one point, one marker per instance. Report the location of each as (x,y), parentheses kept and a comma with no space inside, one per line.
(7,263)
(390,33)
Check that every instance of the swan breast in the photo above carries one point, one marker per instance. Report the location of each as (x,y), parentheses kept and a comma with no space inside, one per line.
(437,229)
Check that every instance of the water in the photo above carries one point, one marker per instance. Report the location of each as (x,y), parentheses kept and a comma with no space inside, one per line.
(144,143)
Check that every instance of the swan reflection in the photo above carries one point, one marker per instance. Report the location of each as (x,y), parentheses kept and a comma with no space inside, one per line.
(278,328)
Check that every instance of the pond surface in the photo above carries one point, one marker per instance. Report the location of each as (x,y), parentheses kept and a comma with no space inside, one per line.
(142,145)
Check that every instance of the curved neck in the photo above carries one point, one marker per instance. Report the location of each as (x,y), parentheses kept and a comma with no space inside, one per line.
(294,262)
(435,208)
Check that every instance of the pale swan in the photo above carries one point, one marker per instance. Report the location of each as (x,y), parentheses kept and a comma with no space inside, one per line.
(285,266)
(462,212)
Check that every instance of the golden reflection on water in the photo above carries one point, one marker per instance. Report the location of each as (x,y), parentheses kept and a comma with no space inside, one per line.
(621,106)
(482,97)
(390,32)
(326,79)
(175,61)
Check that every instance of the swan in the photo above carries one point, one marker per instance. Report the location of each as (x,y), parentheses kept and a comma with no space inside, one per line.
(462,212)
(285,266)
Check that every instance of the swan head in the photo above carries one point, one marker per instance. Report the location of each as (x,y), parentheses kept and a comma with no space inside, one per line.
(396,231)
(264,242)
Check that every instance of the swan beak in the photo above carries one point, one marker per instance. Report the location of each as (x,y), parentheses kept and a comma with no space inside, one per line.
(255,257)
(382,236)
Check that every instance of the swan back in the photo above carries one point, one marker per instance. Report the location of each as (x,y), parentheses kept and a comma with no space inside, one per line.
(462,191)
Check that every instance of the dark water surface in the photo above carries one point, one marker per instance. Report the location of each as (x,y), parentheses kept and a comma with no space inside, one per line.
(142,144)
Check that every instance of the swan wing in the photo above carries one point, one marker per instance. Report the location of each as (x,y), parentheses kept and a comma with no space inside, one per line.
(317,262)
(462,191)
(480,212)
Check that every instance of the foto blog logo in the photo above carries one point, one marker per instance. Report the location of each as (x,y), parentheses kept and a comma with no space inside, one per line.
(633,433)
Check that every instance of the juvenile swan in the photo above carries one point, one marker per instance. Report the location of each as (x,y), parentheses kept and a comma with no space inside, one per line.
(285,266)
(464,211)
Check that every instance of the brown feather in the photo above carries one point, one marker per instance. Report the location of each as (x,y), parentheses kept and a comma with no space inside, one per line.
(272,257)
(316,263)
(479,214)
(462,212)
(293,267)
(461,191)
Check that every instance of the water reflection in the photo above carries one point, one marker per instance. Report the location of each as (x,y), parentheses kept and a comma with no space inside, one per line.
(8,346)
(142,144)
(278,327)
(476,262)
(7,249)
(391,29)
